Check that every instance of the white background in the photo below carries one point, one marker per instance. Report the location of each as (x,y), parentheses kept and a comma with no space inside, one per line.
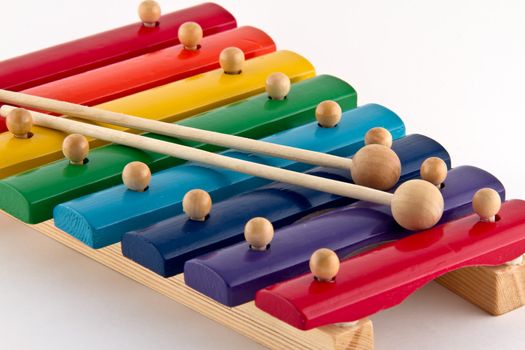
(453,70)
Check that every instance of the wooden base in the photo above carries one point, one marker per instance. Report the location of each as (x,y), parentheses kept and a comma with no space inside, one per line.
(245,319)
(497,290)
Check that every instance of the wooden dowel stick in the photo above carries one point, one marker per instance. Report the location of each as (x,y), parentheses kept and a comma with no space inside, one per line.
(197,155)
(175,130)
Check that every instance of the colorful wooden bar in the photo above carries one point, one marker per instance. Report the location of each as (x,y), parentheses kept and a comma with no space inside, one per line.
(170,102)
(31,196)
(385,276)
(105,48)
(153,69)
(102,218)
(165,246)
(234,274)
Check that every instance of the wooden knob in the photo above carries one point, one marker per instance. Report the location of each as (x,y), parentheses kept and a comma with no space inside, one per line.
(75,148)
(197,204)
(258,232)
(277,86)
(231,60)
(486,203)
(434,170)
(379,136)
(417,205)
(19,122)
(324,264)
(328,114)
(376,166)
(136,176)
(149,13)
(190,35)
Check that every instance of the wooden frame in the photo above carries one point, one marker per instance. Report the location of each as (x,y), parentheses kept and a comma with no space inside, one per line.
(504,288)
(245,319)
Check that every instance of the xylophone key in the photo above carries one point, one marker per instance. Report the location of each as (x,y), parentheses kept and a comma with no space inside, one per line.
(233,275)
(194,95)
(165,246)
(153,69)
(385,276)
(101,218)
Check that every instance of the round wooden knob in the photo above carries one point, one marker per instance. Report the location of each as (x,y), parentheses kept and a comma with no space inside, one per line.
(417,205)
(278,86)
(197,204)
(258,232)
(136,176)
(486,203)
(19,122)
(376,166)
(324,264)
(231,60)
(379,136)
(75,148)
(149,13)
(328,114)
(434,170)
(190,35)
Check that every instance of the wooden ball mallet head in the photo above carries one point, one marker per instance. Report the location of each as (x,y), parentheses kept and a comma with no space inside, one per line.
(75,148)
(149,13)
(19,122)
(328,114)
(231,60)
(196,204)
(278,86)
(190,35)
(486,203)
(136,176)
(375,165)
(258,232)
(324,265)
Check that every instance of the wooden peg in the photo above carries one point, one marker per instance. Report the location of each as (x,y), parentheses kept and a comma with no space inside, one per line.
(278,86)
(75,148)
(379,136)
(324,264)
(231,60)
(19,122)
(197,204)
(328,114)
(486,203)
(149,13)
(136,176)
(376,166)
(434,170)
(258,232)
(190,35)
(417,205)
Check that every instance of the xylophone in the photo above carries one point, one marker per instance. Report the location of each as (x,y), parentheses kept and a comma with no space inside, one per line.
(193,157)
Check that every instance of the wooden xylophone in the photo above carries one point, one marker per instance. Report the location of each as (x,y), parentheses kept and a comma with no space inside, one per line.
(199,216)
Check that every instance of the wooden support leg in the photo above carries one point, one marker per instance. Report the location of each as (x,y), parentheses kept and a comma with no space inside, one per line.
(497,290)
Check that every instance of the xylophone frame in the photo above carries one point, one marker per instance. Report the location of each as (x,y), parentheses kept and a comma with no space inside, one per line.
(503,286)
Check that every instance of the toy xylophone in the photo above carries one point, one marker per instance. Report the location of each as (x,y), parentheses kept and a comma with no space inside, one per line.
(191,156)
